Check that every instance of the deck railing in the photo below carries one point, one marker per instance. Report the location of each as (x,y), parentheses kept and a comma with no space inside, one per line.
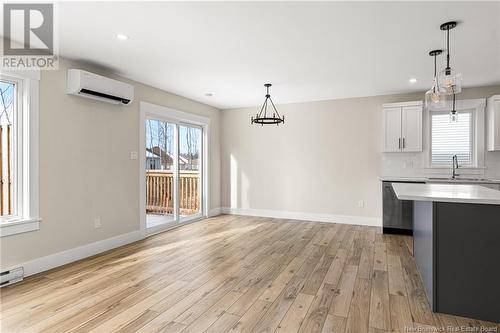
(160,192)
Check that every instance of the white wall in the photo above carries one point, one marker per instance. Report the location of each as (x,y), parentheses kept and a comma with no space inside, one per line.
(85,166)
(321,163)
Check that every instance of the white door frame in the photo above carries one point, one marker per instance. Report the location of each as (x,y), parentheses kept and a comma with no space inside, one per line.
(148,110)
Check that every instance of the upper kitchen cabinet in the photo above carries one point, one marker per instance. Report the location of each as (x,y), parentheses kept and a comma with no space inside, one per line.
(402,127)
(493,123)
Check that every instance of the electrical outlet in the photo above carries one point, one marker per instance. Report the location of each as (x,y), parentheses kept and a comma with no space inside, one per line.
(97,223)
(361,204)
(134,155)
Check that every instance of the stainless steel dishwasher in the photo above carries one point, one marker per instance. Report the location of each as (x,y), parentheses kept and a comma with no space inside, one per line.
(397,215)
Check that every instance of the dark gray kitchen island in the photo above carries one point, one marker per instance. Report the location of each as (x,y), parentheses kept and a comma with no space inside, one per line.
(456,245)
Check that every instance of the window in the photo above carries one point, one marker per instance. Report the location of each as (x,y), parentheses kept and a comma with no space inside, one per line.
(452,138)
(8,105)
(18,152)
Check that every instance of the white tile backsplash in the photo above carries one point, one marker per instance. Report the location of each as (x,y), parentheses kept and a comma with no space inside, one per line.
(413,165)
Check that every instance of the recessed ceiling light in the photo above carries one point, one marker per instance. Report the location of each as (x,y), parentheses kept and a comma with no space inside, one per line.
(121,36)
(209,94)
(413,80)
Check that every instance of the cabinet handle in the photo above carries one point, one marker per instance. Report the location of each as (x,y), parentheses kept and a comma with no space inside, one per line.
(404,144)
(399,143)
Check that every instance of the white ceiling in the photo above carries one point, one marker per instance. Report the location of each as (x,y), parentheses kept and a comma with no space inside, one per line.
(308,50)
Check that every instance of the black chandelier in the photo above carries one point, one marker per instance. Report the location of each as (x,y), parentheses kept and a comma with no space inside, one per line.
(262,117)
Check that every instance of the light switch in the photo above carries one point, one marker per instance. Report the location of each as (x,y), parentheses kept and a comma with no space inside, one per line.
(134,155)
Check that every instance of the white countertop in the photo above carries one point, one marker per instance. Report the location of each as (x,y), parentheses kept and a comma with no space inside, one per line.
(439,180)
(447,193)
(459,179)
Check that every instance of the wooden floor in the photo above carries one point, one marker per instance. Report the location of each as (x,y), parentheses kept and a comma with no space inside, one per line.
(235,274)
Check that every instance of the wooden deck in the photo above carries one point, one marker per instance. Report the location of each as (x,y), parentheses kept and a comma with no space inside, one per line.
(235,274)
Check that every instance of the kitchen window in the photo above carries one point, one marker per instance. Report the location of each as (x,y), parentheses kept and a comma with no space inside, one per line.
(464,138)
(18,152)
(452,138)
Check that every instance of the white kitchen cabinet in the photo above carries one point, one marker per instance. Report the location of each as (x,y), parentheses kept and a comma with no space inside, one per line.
(392,132)
(402,127)
(493,123)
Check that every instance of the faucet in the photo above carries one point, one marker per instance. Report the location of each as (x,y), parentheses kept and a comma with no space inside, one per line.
(454,164)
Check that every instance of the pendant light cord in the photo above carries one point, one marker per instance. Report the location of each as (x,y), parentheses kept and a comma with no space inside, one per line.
(453,106)
(448,69)
(435,69)
(435,65)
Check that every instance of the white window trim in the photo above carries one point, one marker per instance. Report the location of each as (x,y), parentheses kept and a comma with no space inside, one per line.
(477,106)
(27,162)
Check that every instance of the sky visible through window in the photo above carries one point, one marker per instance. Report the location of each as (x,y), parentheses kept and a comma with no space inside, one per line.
(6,102)
(159,133)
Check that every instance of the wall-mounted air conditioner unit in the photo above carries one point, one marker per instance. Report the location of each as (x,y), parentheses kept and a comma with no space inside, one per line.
(90,85)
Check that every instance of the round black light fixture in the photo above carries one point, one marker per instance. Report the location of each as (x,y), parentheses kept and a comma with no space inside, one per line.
(262,117)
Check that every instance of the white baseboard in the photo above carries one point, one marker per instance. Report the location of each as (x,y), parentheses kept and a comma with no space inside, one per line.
(214,212)
(65,257)
(331,218)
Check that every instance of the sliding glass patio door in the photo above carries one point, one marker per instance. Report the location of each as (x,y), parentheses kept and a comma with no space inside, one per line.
(190,165)
(173,163)
(161,172)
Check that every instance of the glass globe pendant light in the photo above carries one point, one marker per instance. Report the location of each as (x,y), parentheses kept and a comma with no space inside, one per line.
(447,78)
(434,98)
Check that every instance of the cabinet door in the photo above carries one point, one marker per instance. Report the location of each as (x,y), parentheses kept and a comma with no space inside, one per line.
(493,124)
(406,214)
(412,128)
(496,123)
(392,130)
(391,207)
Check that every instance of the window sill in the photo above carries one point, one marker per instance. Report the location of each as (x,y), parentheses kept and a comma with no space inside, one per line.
(437,167)
(14,227)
